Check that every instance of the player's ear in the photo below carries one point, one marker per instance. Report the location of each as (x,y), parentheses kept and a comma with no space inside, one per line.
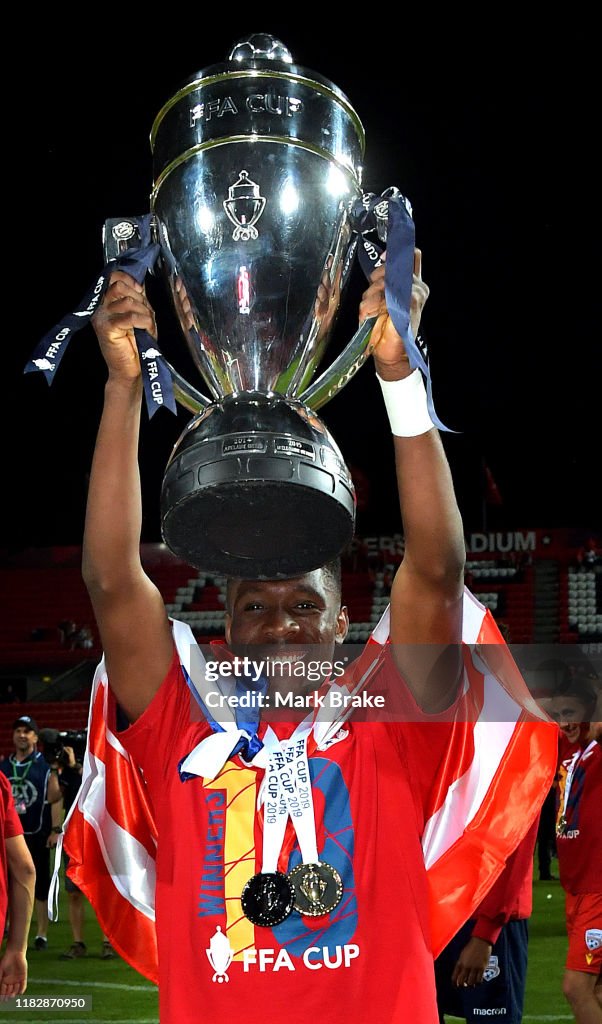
(342,624)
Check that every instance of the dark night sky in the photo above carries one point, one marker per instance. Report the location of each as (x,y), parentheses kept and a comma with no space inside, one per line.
(491,136)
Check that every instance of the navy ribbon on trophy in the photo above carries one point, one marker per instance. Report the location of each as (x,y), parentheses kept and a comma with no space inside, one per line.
(391,213)
(136,261)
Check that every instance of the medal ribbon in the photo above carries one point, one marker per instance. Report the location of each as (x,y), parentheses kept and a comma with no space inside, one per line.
(577,758)
(289,770)
(275,806)
(136,261)
(300,798)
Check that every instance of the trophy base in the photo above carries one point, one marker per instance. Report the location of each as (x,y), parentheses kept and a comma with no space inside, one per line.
(256,489)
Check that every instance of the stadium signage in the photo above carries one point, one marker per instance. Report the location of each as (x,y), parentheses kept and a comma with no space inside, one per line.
(501,542)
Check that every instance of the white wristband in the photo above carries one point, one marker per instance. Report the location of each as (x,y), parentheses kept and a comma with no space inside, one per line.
(405,402)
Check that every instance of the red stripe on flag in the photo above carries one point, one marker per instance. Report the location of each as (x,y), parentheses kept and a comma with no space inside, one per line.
(464,874)
(460,750)
(131,933)
(126,798)
(458,759)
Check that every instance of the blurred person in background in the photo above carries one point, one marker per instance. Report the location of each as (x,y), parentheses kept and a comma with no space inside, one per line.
(17,883)
(579,839)
(483,970)
(546,837)
(69,770)
(39,804)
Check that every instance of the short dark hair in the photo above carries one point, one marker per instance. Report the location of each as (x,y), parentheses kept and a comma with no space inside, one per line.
(581,687)
(332,573)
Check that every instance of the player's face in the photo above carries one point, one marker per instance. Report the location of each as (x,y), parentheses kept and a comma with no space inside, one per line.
(24,739)
(301,614)
(570,714)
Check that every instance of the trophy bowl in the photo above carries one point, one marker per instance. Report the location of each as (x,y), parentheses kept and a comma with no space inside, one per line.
(256,164)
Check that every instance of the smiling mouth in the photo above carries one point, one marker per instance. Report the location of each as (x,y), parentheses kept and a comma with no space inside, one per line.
(281,661)
(287,656)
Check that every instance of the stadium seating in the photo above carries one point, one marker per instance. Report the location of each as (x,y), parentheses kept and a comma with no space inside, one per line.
(508,591)
(39,599)
(584,602)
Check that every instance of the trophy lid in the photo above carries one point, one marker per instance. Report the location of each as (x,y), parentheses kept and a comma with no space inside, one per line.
(259,62)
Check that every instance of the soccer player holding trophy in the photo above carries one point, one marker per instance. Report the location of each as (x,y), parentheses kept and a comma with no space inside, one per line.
(268,866)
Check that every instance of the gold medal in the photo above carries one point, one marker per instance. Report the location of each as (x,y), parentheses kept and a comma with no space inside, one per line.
(318,888)
(561,826)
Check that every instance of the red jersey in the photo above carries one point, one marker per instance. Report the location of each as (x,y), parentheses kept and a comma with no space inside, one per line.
(9,826)
(580,843)
(370,958)
(416,820)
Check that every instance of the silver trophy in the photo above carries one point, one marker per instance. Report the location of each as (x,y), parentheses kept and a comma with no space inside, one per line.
(257,165)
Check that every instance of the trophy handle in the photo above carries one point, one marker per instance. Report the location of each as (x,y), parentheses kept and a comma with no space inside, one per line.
(184,393)
(118,235)
(342,370)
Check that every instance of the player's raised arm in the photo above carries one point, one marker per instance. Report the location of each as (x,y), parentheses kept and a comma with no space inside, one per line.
(133,625)
(426,597)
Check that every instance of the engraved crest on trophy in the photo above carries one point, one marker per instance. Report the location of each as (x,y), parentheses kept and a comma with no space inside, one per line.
(244,206)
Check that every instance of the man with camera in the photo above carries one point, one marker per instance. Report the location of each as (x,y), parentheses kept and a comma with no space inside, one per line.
(39,804)
(65,751)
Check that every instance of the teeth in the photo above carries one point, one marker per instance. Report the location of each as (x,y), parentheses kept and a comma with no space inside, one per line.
(285,658)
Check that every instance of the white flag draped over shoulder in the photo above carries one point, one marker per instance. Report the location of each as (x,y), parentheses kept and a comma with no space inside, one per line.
(498,769)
